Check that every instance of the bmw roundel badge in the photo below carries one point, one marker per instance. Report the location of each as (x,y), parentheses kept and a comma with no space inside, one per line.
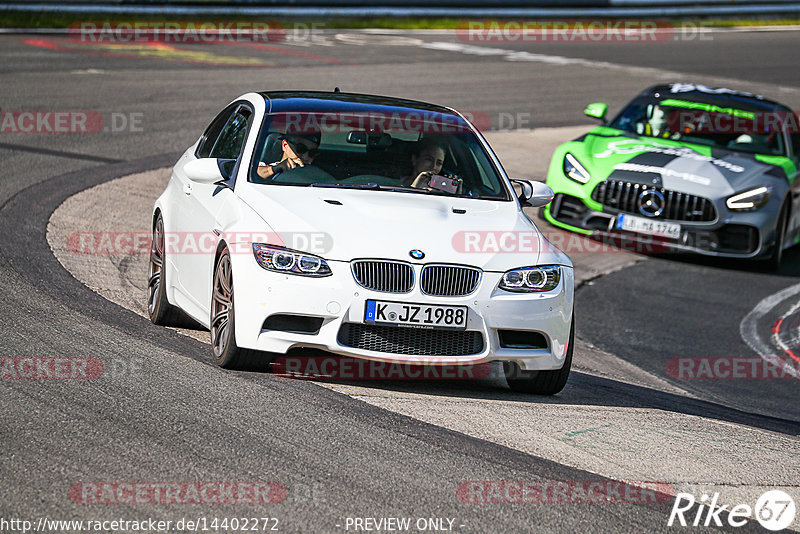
(417,254)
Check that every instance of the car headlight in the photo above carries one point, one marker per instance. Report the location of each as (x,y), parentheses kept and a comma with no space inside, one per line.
(574,170)
(750,200)
(283,260)
(531,279)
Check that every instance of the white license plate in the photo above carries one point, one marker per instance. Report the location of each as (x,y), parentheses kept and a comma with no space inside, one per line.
(415,315)
(647,226)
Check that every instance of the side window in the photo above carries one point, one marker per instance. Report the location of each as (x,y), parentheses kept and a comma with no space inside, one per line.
(796,144)
(231,140)
(212,132)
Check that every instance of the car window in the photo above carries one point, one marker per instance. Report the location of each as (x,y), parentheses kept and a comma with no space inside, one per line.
(796,144)
(231,140)
(212,132)
(720,125)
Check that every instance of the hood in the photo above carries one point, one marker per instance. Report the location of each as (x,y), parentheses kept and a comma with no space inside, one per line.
(345,224)
(693,169)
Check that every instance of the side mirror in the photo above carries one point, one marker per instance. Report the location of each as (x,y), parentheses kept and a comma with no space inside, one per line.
(204,171)
(596,111)
(535,194)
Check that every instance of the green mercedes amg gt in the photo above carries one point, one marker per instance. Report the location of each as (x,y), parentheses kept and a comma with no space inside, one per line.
(687,168)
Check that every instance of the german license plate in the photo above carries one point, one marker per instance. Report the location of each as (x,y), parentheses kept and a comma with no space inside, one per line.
(415,315)
(647,226)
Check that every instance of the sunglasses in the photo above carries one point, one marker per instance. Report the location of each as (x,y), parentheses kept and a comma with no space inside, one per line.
(301,149)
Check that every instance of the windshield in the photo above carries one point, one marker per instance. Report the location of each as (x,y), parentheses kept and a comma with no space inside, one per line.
(409,151)
(716,125)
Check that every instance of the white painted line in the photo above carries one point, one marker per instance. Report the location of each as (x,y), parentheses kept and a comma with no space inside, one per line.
(748,328)
(524,56)
(788,346)
(774,28)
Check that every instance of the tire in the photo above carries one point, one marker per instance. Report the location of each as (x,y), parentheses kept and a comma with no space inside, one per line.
(159,309)
(227,353)
(541,382)
(773,262)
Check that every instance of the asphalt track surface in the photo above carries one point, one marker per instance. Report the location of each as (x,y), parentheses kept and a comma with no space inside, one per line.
(170,416)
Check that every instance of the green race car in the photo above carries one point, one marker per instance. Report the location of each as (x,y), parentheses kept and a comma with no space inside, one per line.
(684,168)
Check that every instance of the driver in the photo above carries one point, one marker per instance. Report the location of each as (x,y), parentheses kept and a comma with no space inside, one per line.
(299,150)
(656,125)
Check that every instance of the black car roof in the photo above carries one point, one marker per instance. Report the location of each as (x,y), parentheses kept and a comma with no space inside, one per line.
(310,101)
(705,94)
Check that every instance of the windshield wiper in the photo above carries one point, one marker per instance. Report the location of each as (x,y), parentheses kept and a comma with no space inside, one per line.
(375,187)
(370,185)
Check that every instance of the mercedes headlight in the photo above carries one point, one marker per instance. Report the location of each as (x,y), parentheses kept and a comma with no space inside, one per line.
(750,200)
(283,260)
(531,279)
(574,170)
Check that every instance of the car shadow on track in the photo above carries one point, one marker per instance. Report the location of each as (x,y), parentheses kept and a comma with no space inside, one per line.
(582,389)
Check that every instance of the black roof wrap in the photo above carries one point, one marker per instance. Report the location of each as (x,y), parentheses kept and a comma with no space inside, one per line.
(322,101)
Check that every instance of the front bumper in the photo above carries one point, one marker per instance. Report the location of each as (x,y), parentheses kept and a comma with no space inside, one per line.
(328,313)
(734,235)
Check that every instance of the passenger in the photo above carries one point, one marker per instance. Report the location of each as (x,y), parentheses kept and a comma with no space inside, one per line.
(427,159)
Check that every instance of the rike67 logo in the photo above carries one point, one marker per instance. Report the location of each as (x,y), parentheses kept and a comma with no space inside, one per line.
(774,510)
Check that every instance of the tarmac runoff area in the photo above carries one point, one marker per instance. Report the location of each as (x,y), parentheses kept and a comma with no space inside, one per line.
(592,425)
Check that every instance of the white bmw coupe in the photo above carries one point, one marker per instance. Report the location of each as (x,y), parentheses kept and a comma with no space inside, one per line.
(365,226)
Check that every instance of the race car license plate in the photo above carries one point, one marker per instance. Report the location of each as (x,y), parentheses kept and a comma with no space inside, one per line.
(415,315)
(647,226)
